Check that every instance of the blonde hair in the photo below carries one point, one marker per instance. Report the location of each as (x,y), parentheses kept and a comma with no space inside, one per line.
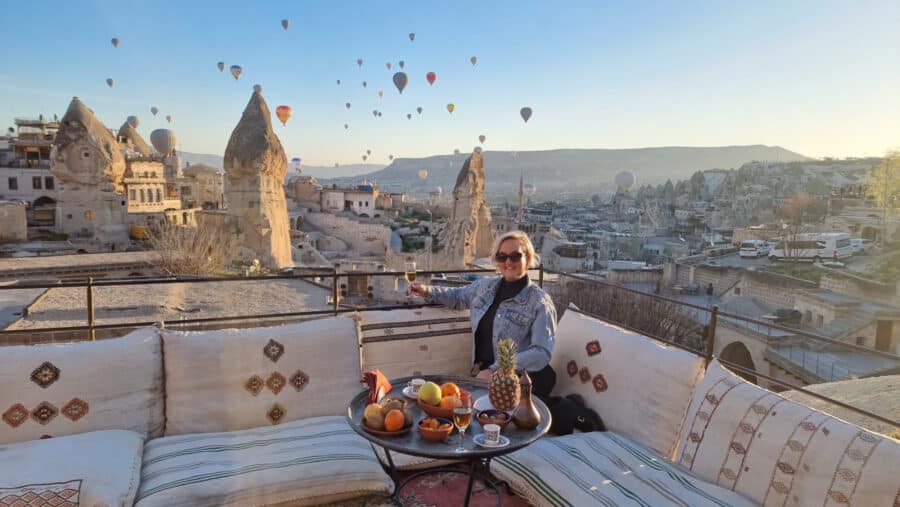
(534,260)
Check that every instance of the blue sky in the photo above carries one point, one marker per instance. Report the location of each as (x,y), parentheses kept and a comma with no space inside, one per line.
(820,78)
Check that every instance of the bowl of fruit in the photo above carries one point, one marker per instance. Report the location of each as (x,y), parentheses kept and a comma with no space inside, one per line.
(494,416)
(439,400)
(388,418)
(435,429)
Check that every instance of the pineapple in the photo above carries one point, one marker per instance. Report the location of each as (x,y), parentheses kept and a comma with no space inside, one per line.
(504,387)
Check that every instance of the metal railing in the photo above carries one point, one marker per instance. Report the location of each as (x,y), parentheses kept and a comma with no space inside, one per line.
(312,275)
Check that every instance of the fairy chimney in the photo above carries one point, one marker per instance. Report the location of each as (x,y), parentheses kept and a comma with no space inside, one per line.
(132,139)
(90,170)
(255,166)
(468,234)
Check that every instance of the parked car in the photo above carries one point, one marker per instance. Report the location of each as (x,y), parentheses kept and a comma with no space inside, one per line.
(861,246)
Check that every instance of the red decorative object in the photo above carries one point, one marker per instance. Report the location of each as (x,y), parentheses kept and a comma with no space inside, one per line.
(600,384)
(254,385)
(377,383)
(593,348)
(572,368)
(45,375)
(585,375)
(75,409)
(44,413)
(299,380)
(276,382)
(276,414)
(15,415)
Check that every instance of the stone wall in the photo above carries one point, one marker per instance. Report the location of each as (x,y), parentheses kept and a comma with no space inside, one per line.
(364,237)
(851,285)
(13,223)
(635,276)
(773,289)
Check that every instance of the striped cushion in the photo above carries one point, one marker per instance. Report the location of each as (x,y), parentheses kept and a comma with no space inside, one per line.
(779,452)
(604,469)
(307,462)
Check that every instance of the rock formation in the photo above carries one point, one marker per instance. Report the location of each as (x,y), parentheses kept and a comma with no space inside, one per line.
(468,234)
(89,169)
(133,139)
(255,165)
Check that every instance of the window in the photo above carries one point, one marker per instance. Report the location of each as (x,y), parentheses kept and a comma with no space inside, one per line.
(132,194)
(13,183)
(185,190)
(48,182)
(36,182)
(142,195)
(820,320)
(861,341)
(158,195)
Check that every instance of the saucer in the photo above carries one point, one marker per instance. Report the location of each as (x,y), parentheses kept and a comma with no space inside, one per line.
(408,392)
(479,440)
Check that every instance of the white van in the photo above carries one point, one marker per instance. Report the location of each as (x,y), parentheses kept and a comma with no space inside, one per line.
(860,245)
(814,246)
(754,248)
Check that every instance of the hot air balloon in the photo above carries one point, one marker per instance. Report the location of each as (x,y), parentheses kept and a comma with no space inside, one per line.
(529,189)
(346,126)
(438,190)
(477,149)
(236,71)
(474,60)
(388,65)
(134,121)
(115,42)
(379,114)
(285,23)
(364,157)
(419,109)
(450,107)
(359,61)
(257,88)
(368,152)
(390,157)
(423,174)
(525,113)
(154,110)
(401,63)
(163,140)
(380,93)
(409,116)
(481,138)
(110,82)
(347,105)
(295,164)
(412,37)
(431,76)
(456,151)
(400,80)
(364,84)
(338,81)
(169,118)
(375,113)
(284,113)
(625,180)
(221,66)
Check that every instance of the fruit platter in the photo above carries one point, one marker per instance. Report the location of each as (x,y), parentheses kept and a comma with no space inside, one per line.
(387,418)
(439,400)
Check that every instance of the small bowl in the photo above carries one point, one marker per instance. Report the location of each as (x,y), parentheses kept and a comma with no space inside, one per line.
(494,416)
(437,435)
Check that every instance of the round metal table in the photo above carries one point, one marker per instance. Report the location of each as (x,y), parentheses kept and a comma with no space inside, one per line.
(412,442)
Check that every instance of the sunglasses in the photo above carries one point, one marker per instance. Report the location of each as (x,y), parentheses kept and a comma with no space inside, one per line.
(502,257)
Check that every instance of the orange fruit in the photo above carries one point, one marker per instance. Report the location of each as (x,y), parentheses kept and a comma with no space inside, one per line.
(449,389)
(449,402)
(394,420)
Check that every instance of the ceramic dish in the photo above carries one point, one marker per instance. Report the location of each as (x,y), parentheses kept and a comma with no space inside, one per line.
(479,440)
(382,433)
(408,392)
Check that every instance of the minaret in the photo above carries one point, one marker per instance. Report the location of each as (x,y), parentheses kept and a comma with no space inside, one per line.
(520,215)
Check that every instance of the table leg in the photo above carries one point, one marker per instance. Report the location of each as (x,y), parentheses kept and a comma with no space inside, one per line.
(472,465)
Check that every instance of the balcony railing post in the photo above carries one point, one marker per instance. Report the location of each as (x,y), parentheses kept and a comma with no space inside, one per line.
(711,333)
(334,291)
(541,275)
(90,308)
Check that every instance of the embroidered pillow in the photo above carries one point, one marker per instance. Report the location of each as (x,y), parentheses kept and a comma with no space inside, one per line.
(639,386)
(235,379)
(779,452)
(415,342)
(62,389)
(100,468)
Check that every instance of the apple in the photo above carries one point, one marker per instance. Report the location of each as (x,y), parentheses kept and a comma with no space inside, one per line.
(430,393)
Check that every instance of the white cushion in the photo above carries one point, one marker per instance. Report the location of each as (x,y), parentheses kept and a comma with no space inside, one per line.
(63,389)
(97,469)
(435,341)
(235,379)
(308,462)
(774,450)
(604,468)
(639,386)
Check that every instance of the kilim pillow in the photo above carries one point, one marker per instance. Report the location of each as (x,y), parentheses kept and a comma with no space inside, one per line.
(639,386)
(426,340)
(779,452)
(62,389)
(97,469)
(235,379)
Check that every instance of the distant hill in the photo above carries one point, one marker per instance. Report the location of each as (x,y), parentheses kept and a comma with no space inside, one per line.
(317,171)
(574,170)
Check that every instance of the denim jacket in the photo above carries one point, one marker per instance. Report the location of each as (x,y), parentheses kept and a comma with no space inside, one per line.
(529,318)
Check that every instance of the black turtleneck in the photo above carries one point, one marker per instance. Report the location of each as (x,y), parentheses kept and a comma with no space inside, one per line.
(484,333)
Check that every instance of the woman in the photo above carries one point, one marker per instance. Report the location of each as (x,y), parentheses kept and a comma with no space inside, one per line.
(508,306)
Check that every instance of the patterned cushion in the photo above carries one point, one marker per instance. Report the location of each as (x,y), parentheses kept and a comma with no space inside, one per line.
(639,386)
(604,469)
(308,462)
(235,379)
(773,450)
(100,468)
(63,389)
(414,342)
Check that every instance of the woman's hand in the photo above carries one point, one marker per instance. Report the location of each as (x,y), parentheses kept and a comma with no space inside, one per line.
(485,374)
(419,289)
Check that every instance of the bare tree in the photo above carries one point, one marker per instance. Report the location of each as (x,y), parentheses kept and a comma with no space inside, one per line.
(884,186)
(193,250)
(642,313)
(795,212)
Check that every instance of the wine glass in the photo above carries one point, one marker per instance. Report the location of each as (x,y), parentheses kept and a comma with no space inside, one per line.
(410,271)
(462,416)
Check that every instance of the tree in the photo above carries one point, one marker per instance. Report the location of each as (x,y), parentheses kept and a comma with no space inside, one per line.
(193,250)
(884,184)
(795,212)
(596,199)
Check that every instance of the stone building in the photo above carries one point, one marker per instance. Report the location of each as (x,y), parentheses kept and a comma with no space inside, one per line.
(359,199)
(255,165)
(200,186)
(468,234)
(25,169)
(12,221)
(305,189)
